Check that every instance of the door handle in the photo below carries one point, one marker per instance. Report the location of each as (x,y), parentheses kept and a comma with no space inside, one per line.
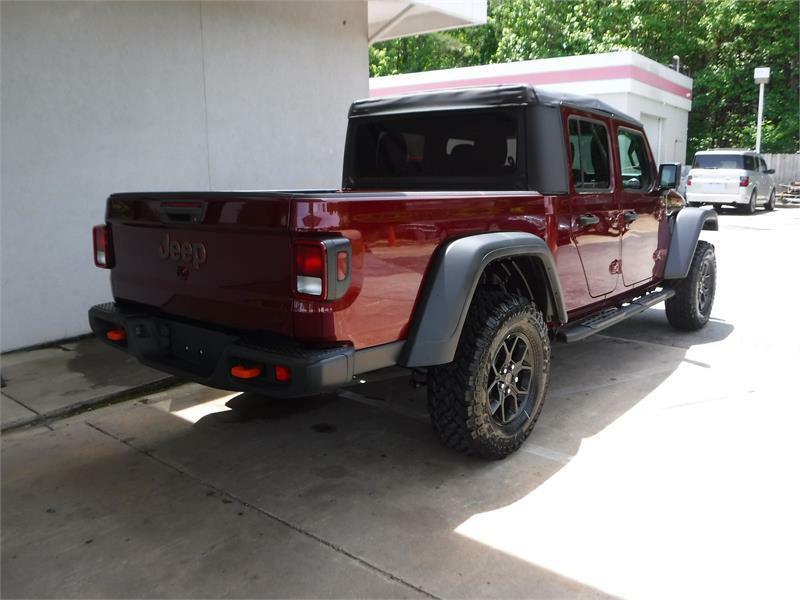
(630,216)
(586,220)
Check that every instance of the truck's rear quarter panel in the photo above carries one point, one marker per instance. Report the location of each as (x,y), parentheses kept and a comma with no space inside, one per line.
(394,236)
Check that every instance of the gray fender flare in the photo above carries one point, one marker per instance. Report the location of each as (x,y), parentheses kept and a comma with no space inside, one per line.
(447,293)
(686,228)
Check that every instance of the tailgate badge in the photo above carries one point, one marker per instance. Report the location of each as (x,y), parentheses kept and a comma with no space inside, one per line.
(185,253)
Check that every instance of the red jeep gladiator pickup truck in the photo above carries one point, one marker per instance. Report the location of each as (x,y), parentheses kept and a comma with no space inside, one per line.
(473,226)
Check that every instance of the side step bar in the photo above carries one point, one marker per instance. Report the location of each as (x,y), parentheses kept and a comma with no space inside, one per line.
(583,329)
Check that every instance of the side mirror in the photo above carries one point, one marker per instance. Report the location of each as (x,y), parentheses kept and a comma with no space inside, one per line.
(669,176)
(770,171)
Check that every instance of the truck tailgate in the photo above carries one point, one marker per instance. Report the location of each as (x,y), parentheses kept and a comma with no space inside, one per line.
(218,257)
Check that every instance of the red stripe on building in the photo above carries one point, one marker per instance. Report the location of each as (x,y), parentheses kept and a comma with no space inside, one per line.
(565,76)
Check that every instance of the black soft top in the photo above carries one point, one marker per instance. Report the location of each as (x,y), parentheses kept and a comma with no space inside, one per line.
(481,97)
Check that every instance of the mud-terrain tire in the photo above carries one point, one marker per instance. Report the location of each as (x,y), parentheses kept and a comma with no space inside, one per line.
(770,205)
(750,207)
(469,410)
(690,308)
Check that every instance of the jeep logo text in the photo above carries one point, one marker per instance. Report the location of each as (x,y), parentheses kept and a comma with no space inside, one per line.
(185,252)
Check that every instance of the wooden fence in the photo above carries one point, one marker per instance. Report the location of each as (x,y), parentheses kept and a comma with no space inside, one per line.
(787,167)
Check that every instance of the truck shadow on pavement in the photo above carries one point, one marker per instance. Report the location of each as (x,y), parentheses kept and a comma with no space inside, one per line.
(360,471)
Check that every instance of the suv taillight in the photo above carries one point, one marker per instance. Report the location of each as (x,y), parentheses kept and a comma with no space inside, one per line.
(103,255)
(322,268)
(688,181)
(744,181)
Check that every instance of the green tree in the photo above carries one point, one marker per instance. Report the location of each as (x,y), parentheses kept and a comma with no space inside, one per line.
(721,41)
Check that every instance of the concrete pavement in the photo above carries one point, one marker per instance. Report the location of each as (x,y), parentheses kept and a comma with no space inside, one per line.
(45,383)
(664,465)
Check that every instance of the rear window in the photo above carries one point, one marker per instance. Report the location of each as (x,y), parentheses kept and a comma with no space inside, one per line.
(718,161)
(474,149)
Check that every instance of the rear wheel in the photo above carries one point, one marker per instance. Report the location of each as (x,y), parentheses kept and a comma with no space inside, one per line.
(487,400)
(690,308)
(750,207)
(770,205)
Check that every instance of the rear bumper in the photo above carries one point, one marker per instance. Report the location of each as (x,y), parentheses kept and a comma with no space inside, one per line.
(207,355)
(700,198)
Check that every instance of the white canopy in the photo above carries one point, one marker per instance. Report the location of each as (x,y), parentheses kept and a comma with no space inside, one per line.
(389,19)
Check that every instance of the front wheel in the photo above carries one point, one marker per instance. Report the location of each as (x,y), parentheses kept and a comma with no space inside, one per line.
(690,308)
(487,400)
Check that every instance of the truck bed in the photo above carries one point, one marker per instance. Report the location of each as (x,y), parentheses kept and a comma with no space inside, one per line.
(239,248)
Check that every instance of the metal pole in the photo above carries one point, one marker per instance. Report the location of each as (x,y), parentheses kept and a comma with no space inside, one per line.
(760,115)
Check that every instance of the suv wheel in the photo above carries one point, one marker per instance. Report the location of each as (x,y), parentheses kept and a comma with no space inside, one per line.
(690,308)
(487,400)
(750,207)
(770,205)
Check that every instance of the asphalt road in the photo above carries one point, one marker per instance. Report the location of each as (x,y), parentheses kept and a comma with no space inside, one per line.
(664,465)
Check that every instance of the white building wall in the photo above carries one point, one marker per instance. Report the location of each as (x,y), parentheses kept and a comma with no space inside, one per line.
(100,97)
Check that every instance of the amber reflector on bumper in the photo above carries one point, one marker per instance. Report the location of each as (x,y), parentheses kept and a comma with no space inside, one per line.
(242,372)
(116,335)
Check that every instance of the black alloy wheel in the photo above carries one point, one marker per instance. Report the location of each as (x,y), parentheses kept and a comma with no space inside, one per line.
(510,383)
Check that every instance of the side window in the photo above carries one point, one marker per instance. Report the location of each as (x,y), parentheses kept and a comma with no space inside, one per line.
(749,163)
(763,165)
(588,142)
(633,160)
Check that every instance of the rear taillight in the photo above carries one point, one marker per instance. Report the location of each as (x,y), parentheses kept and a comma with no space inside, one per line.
(688,181)
(103,255)
(322,268)
(309,261)
(744,181)
(283,373)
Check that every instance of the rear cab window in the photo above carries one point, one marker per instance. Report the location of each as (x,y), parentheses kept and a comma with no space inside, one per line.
(458,149)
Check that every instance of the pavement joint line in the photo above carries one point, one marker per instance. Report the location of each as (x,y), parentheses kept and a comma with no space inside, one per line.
(38,416)
(566,392)
(64,412)
(298,529)
(647,342)
(633,340)
(542,452)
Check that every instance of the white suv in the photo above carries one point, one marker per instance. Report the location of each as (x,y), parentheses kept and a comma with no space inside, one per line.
(738,177)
